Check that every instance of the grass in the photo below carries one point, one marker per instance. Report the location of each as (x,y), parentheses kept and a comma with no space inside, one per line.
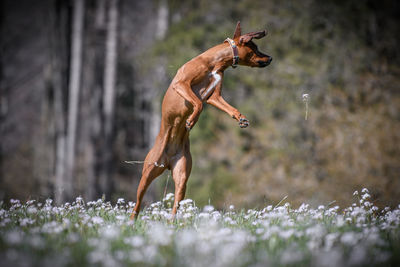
(98,233)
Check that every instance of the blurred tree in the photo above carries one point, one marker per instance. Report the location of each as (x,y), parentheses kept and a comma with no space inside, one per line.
(66,187)
(57,39)
(105,181)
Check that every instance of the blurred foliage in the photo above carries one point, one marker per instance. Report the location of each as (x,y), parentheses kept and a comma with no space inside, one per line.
(344,54)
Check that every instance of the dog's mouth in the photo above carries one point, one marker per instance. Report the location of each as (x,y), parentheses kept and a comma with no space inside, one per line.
(263,64)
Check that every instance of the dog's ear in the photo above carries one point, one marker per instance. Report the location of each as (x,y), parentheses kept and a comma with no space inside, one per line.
(238,31)
(249,36)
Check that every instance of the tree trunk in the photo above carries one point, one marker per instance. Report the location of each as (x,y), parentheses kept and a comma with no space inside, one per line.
(90,133)
(105,183)
(59,20)
(110,67)
(162,20)
(3,99)
(160,74)
(74,85)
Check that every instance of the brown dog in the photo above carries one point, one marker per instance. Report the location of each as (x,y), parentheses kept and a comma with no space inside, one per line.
(196,82)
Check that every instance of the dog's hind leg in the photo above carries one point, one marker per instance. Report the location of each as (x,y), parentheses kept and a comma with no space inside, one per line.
(151,170)
(181,169)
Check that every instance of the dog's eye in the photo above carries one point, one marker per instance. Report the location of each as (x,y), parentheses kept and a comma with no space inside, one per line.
(253,46)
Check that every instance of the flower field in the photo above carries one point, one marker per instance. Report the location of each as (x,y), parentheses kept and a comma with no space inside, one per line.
(98,233)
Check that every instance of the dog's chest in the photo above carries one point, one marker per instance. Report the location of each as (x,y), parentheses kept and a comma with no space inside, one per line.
(207,85)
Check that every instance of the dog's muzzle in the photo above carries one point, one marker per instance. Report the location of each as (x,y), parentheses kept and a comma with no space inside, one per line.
(263,64)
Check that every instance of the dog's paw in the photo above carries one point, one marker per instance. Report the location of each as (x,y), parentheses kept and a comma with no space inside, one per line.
(243,122)
(191,121)
(189,125)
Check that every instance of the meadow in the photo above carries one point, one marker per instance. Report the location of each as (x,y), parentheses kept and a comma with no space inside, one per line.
(98,233)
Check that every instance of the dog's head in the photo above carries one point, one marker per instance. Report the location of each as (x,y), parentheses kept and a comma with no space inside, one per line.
(249,55)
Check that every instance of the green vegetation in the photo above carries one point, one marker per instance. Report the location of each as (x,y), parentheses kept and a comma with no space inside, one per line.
(331,52)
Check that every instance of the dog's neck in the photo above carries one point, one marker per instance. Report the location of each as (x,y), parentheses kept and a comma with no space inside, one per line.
(221,57)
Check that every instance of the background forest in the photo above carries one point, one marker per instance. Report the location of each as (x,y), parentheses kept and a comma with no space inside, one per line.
(82,82)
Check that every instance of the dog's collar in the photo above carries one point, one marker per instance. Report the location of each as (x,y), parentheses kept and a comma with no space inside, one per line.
(235,52)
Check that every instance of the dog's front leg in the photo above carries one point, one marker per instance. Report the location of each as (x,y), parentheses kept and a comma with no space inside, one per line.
(219,102)
(185,91)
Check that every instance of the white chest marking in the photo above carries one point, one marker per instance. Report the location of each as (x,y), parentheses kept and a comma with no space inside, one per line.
(217,79)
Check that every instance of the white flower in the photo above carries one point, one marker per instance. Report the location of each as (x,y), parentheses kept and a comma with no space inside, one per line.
(365,196)
(49,201)
(187,215)
(367,204)
(229,220)
(358,256)
(52,227)
(340,221)
(186,202)
(291,256)
(79,200)
(260,231)
(30,202)
(36,241)
(186,239)
(159,234)
(110,232)
(204,215)
(72,237)
(120,217)
(332,258)
(303,207)
(31,210)
(14,237)
(208,208)
(169,197)
(286,234)
(26,221)
(97,220)
(14,201)
(145,218)
(216,215)
(134,241)
(329,240)
(349,238)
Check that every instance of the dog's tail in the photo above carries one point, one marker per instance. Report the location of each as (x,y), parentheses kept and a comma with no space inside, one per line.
(156,153)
